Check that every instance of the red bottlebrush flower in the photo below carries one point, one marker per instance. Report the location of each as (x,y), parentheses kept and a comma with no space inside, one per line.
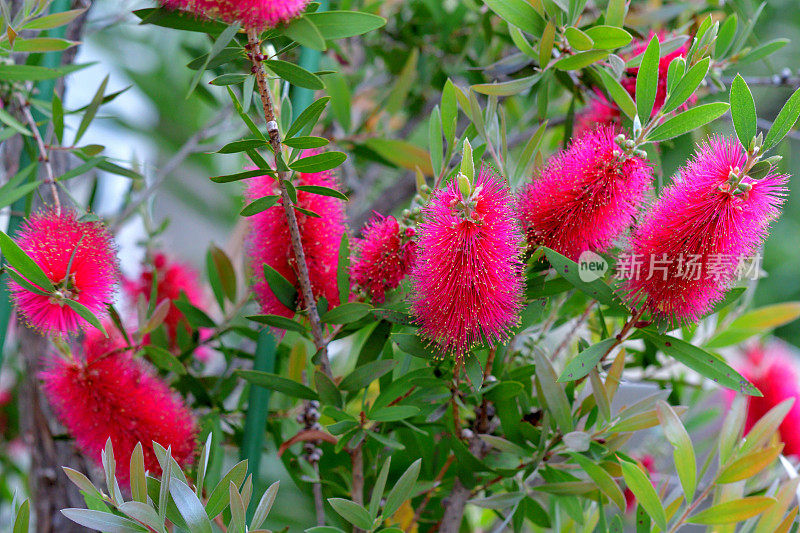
(108,393)
(259,14)
(269,241)
(771,369)
(585,196)
(171,279)
(79,258)
(693,240)
(467,277)
(383,257)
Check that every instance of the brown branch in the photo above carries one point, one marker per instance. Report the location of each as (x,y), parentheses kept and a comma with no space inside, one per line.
(254,53)
(43,156)
(436,482)
(357,459)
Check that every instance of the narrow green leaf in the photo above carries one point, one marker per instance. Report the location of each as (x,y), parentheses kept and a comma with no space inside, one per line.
(352,512)
(687,86)
(578,40)
(86,314)
(689,120)
(103,521)
(683,453)
(362,376)
(553,392)
(378,488)
(278,383)
(318,162)
(733,511)
(259,205)
(585,361)
(507,88)
(53,20)
(280,322)
(138,480)
(608,37)
(616,11)
(346,313)
(519,13)
(303,31)
(304,143)
(91,110)
(743,111)
(403,489)
(784,122)
(7,119)
(189,507)
(308,118)
(283,290)
(641,487)
(763,430)
(220,496)
(342,24)
(647,80)
(603,479)
(580,60)
(295,74)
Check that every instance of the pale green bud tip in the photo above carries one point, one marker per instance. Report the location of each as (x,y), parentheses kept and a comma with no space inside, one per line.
(464,185)
(467,165)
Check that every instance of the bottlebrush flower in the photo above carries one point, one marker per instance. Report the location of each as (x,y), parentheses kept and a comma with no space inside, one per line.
(171,279)
(259,14)
(467,277)
(269,241)
(585,196)
(770,368)
(383,257)
(79,258)
(107,393)
(693,239)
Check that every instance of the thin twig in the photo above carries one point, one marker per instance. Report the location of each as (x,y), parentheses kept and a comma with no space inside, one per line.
(214,126)
(254,53)
(45,158)
(436,482)
(578,323)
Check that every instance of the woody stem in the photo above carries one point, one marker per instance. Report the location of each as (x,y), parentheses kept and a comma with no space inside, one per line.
(254,53)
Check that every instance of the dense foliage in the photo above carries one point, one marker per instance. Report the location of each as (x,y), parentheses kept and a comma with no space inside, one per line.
(540,327)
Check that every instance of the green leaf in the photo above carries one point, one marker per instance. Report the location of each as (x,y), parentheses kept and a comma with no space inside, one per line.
(295,74)
(756,322)
(318,162)
(706,364)
(346,313)
(352,512)
(362,376)
(602,478)
(13,123)
(243,145)
(91,110)
(596,289)
(683,453)
(141,512)
(641,487)
(521,42)
(179,20)
(102,521)
(259,205)
(585,361)
(767,426)
(743,111)
(519,13)
(750,464)
(18,259)
(303,31)
(304,143)
(553,392)
(725,36)
(413,345)
(138,480)
(53,20)
(403,489)
(22,518)
(9,72)
(225,271)
(647,80)
(283,290)
(578,40)
(328,392)
(378,488)
(343,269)
(341,24)
(762,51)
(507,88)
(164,360)
(86,314)
(402,154)
(733,511)
(280,322)
(220,496)
(615,12)
(687,86)
(81,481)
(42,44)
(194,315)
(784,121)
(608,37)
(435,141)
(189,507)
(228,79)
(278,383)
(618,93)
(731,432)
(687,121)
(265,505)
(323,191)
(308,118)
(546,44)
(580,60)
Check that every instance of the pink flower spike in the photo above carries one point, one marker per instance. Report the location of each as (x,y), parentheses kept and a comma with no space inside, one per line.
(258,14)
(269,242)
(585,197)
(383,257)
(79,258)
(467,278)
(109,394)
(770,367)
(699,231)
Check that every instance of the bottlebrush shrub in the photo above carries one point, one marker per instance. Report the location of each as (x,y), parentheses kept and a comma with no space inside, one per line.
(505,386)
